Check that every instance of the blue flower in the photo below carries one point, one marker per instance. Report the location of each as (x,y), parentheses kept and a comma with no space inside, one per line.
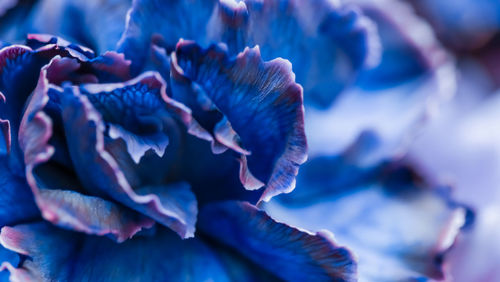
(158,152)
(107,155)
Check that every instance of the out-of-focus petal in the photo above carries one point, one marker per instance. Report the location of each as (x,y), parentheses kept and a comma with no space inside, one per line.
(393,101)
(468,125)
(410,48)
(97,24)
(55,254)
(327,42)
(171,20)
(88,113)
(6,5)
(398,229)
(13,15)
(253,107)
(286,252)
(458,29)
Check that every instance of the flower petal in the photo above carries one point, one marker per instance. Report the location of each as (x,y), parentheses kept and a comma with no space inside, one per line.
(253,95)
(138,112)
(108,67)
(19,69)
(463,32)
(410,48)
(93,23)
(327,43)
(16,200)
(66,207)
(157,257)
(145,22)
(6,5)
(287,252)
(5,138)
(7,257)
(97,169)
(399,230)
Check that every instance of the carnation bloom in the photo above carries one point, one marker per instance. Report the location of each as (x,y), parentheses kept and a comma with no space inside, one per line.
(112,153)
(152,160)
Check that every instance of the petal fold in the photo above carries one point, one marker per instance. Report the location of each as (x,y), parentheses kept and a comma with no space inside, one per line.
(56,197)
(86,116)
(243,97)
(286,252)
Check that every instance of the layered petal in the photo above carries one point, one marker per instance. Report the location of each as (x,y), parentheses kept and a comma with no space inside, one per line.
(288,253)
(162,256)
(94,114)
(398,229)
(110,66)
(245,104)
(57,193)
(20,67)
(327,43)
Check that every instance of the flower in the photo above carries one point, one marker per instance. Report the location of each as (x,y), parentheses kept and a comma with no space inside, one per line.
(165,150)
(105,154)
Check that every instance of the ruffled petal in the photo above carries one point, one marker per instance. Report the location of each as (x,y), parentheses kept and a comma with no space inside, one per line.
(137,112)
(286,252)
(327,43)
(240,97)
(108,67)
(162,256)
(37,40)
(136,106)
(54,192)
(20,67)
(398,229)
